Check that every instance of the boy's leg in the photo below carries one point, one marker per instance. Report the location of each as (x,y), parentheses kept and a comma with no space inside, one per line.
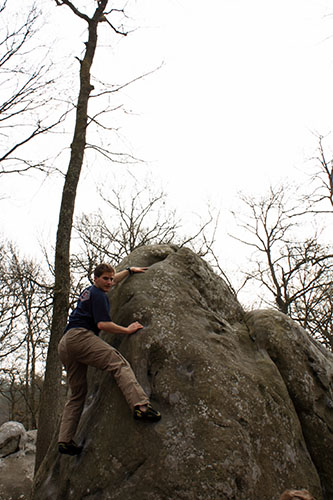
(89,349)
(77,381)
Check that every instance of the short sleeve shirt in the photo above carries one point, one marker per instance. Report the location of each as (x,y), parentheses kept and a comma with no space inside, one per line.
(92,307)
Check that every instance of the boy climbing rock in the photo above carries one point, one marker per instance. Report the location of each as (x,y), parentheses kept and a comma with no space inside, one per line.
(81,347)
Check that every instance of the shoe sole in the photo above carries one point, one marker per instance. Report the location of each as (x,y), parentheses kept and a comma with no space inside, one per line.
(140,415)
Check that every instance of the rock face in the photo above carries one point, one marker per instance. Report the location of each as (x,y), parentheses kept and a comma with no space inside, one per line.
(246,398)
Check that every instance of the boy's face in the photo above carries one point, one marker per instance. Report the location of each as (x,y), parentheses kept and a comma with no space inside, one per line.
(104,282)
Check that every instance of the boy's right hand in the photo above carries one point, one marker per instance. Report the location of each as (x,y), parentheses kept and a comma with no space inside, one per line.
(134,327)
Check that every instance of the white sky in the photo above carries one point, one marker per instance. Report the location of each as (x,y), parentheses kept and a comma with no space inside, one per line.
(244,88)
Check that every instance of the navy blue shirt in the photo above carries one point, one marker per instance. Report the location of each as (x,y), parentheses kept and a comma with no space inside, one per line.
(92,307)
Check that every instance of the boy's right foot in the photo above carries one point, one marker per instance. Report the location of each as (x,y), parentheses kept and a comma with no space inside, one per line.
(146,413)
(70,448)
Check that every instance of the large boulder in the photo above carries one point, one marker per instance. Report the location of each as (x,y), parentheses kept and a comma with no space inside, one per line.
(246,398)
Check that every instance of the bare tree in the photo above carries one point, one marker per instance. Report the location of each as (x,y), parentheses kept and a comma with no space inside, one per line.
(267,226)
(27,108)
(34,299)
(130,219)
(25,305)
(135,215)
(325,174)
(298,274)
(319,200)
(314,309)
(8,391)
(13,391)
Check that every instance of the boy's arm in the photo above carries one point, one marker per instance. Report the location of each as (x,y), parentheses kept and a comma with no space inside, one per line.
(110,327)
(118,277)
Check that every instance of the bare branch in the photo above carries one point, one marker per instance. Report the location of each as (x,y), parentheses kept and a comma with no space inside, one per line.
(74,9)
(124,85)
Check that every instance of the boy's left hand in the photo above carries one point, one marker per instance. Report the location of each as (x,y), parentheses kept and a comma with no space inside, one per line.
(138,269)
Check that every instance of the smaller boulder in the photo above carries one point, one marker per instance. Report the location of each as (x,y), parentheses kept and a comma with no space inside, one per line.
(13,438)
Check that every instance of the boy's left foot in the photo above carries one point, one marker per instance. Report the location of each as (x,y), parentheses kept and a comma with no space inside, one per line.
(70,448)
(146,413)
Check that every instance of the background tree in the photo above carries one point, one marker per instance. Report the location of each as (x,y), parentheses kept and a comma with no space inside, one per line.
(135,214)
(9,393)
(320,198)
(131,218)
(27,107)
(297,272)
(25,306)
(13,398)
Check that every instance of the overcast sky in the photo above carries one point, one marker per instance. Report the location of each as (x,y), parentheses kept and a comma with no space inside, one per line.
(244,88)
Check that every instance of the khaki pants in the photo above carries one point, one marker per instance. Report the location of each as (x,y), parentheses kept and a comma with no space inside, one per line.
(78,349)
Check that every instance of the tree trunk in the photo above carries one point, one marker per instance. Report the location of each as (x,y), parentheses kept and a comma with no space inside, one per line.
(27,388)
(33,395)
(51,398)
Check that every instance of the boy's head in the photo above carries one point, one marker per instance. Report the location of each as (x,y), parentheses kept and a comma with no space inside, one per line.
(103,268)
(103,277)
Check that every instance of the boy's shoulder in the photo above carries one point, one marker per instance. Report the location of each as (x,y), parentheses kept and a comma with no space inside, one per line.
(94,291)
(91,292)
(85,295)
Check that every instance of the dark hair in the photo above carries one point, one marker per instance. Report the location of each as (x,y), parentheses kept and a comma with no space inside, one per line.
(103,268)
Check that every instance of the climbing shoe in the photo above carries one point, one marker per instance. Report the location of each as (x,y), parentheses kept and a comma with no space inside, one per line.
(148,415)
(70,448)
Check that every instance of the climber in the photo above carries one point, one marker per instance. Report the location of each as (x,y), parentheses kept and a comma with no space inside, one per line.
(81,347)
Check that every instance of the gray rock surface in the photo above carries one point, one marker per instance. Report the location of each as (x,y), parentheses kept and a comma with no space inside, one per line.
(16,475)
(17,467)
(246,398)
(13,437)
